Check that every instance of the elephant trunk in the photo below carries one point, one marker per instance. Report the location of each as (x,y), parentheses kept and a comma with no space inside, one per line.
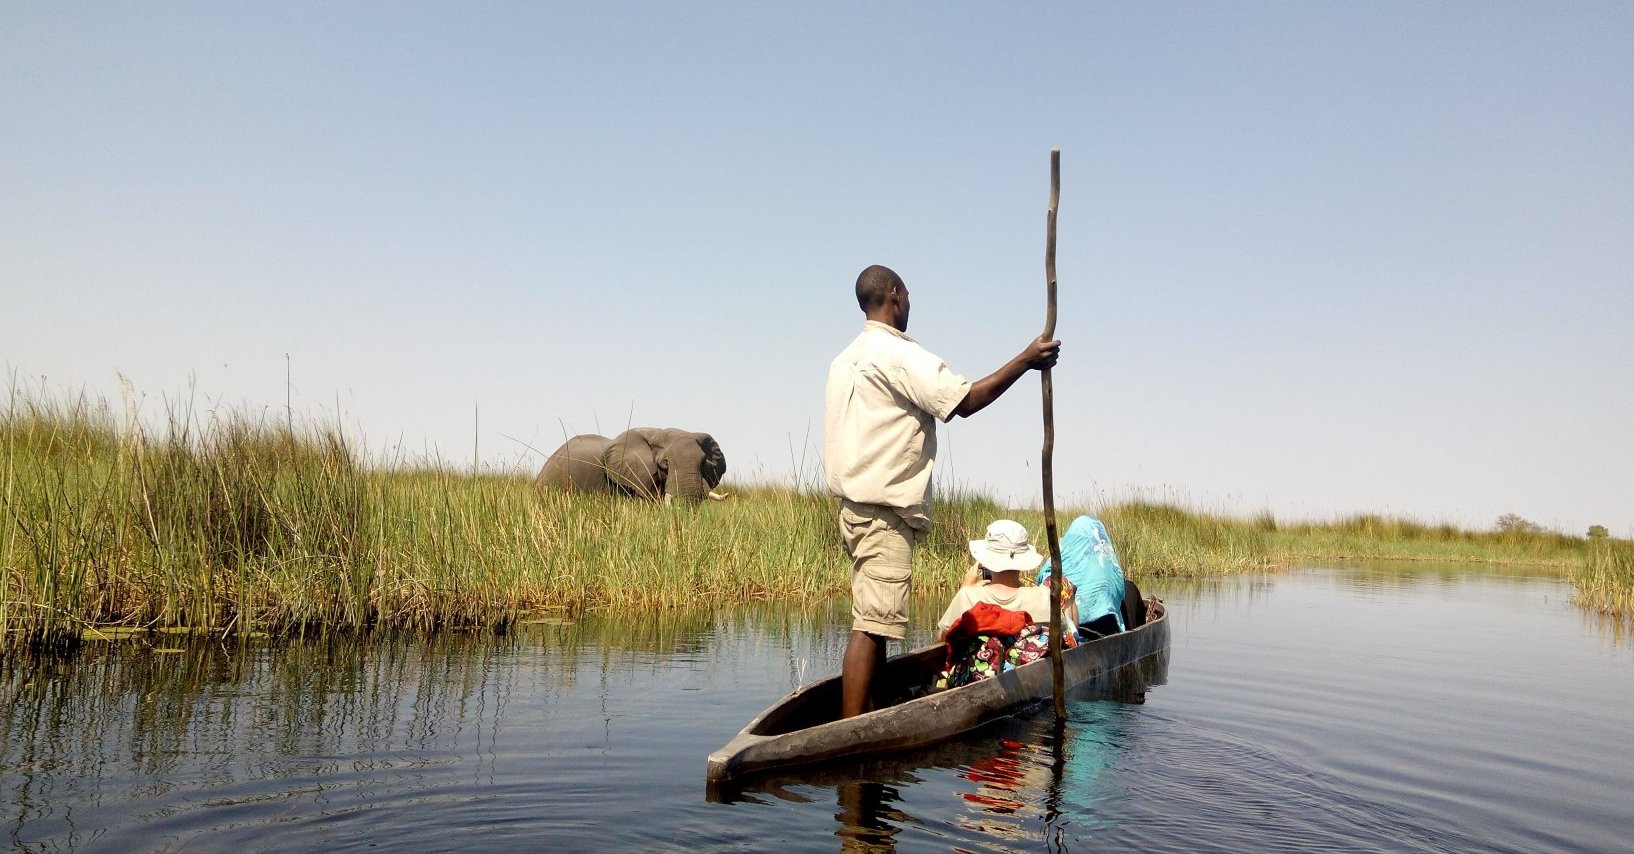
(685,481)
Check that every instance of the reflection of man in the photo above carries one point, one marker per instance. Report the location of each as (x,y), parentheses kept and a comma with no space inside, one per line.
(866,824)
(885,393)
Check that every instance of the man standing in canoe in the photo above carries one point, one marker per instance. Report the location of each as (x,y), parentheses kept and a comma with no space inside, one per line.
(885,393)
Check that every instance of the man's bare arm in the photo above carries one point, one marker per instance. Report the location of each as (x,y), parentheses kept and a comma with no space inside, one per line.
(1040,354)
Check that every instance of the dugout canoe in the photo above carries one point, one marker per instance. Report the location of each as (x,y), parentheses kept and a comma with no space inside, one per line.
(803,728)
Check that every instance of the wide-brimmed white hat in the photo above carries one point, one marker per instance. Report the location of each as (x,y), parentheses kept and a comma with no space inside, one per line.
(1005,548)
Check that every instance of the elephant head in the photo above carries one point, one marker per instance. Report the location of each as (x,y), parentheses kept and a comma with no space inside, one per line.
(665,464)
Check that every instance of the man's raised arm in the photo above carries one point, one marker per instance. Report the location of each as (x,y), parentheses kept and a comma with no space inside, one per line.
(1039,355)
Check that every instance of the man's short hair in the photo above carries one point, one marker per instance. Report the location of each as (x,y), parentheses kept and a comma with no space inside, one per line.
(874,286)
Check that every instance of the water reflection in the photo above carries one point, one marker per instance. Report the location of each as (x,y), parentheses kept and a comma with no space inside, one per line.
(1009,778)
(1615,629)
(1012,779)
(154,728)
(134,724)
(1354,710)
(868,821)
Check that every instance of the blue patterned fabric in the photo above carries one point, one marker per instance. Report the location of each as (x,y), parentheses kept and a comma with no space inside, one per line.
(1091,564)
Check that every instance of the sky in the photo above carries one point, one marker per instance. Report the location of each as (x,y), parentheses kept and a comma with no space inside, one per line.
(1315,258)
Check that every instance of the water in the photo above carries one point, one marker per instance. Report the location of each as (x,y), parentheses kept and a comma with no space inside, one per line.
(1346,709)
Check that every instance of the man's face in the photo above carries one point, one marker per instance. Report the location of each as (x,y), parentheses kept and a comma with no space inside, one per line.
(900,297)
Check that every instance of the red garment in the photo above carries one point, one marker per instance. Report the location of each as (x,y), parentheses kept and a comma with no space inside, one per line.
(983,618)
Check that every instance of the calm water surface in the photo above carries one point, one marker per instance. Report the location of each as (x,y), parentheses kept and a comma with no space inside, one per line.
(1362,709)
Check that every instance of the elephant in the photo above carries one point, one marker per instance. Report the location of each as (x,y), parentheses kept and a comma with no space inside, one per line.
(646,462)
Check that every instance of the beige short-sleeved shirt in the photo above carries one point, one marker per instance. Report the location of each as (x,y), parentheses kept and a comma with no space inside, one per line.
(885,393)
(1035,601)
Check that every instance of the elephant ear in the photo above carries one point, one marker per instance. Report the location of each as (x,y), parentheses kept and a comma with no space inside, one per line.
(632,466)
(714,465)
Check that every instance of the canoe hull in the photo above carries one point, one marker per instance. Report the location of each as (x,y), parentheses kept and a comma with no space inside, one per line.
(800,729)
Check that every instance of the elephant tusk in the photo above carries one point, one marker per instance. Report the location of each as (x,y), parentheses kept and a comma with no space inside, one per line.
(719,496)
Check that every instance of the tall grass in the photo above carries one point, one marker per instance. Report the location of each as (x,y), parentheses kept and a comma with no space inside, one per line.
(237,525)
(104,524)
(1371,536)
(1160,539)
(1606,580)
(233,524)
(474,546)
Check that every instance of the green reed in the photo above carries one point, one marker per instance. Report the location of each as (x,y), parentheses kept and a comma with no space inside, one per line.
(200,526)
(1160,539)
(233,524)
(1371,536)
(1605,581)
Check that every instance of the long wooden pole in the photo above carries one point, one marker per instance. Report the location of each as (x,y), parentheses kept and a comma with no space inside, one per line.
(1050,533)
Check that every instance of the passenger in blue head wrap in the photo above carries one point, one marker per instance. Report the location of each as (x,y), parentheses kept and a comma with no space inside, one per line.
(1107,602)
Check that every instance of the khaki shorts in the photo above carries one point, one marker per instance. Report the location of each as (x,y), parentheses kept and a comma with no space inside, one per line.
(881,545)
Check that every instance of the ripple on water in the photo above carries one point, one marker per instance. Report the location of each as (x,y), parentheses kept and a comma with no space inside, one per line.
(1350,710)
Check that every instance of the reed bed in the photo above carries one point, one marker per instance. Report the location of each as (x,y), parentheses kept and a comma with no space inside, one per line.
(239,525)
(1160,539)
(1371,537)
(235,525)
(1605,582)
(102,524)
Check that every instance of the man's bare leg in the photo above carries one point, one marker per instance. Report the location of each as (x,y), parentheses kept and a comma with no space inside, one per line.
(863,654)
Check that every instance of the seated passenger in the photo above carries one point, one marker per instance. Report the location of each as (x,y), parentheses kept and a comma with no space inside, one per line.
(1107,602)
(997,623)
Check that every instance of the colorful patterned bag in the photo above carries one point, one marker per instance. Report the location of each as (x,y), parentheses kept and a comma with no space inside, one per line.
(985,656)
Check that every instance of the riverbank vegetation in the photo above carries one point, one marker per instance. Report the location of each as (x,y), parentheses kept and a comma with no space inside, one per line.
(236,525)
(1605,581)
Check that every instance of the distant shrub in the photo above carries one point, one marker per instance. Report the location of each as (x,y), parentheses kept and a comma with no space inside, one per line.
(1514,523)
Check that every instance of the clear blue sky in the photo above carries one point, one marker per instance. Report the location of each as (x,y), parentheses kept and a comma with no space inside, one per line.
(1315,258)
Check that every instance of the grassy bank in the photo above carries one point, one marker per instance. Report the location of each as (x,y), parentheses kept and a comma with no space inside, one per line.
(236,525)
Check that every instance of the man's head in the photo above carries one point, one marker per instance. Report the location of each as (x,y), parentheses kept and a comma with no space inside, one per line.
(883,297)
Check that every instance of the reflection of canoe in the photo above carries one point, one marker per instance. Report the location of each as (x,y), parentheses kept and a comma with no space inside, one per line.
(802,728)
